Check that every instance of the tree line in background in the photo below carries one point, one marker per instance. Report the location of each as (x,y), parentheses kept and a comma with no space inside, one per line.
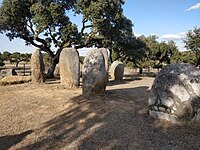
(14,58)
(149,53)
(48,24)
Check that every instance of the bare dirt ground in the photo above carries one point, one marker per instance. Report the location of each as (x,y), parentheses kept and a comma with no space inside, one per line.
(50,116)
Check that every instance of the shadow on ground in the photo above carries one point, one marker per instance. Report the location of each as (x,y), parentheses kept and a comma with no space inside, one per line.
(115,120)
(9,140)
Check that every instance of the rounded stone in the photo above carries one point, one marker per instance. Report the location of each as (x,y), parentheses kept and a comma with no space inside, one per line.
(177,89)
(117,71)
(94,75)
(69,67)
(37,67)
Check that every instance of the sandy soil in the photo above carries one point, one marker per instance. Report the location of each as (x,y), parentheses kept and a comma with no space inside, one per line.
(50,116)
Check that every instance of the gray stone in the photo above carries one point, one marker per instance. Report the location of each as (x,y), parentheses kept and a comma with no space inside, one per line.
(117,71)
(164,116)
(105,54)
(69,67)
(8,72)
(37,67)
(176,88)
(94,74)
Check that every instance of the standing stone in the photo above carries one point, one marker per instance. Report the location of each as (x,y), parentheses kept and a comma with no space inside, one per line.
(69,67)
(37,67)
(105,54)
(176,93)
(117,71)
(94,73)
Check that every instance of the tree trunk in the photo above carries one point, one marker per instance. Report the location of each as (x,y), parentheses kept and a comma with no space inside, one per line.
(50,73)
(111,60)
(17,63)
(140,70)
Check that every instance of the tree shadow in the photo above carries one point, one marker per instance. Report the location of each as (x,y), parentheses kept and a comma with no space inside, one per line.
(117,119)
(126,79)
(8,141)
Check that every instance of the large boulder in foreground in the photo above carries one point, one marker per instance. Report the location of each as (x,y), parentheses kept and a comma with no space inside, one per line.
(69,67)
(176,94)
(117,71)
(37,67)
(94,75)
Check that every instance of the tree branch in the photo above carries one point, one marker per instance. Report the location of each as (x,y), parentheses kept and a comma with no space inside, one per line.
(53,38)
(30,26)
(84,26)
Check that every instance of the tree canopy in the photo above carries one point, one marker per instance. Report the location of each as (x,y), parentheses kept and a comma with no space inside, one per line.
(15,57)
(46,24)
(192,42)
(148,52)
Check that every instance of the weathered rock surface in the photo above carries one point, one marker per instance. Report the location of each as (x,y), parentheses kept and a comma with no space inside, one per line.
(15,79)
(176,93)
(37,67)
(105,54)
(94,73)
(69,67)
(7,72)
(117,71)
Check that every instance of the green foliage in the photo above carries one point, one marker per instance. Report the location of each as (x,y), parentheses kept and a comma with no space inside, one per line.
(109,27)
(47,59)
(44,24)
(1,60)
(5,56)
(192,43)
(149,53)
(81,58)
(15,57)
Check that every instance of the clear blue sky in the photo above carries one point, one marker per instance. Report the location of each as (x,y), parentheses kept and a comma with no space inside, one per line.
(168,19)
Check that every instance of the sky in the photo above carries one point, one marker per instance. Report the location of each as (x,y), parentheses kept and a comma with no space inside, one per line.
(167,19)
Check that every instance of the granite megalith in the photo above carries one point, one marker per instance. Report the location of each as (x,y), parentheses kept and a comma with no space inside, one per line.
(117,71)
(94,74)
(37,67)
(105,54)
(69,67)
(176,94)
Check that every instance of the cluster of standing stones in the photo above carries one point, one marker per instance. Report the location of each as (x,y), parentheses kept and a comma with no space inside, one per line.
(175,93)
(95,70)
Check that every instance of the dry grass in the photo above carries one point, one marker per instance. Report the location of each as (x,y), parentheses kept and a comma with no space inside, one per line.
(50,116)
(10,80)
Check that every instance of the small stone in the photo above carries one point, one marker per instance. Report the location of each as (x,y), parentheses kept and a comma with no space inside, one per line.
(162,108)
(8,72)
(117,71)
(155,108)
